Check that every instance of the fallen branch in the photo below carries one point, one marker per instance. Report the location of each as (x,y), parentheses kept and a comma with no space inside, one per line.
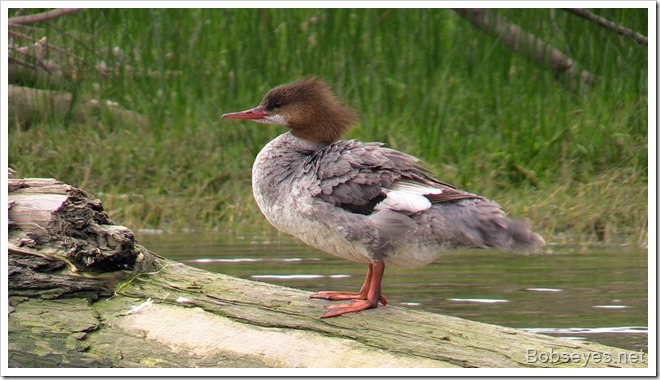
(607,24)
(44,16)
(520,41)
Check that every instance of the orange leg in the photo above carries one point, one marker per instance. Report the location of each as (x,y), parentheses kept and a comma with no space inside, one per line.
(367,298)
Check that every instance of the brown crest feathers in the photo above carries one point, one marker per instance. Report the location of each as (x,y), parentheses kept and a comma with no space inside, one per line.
(312,111)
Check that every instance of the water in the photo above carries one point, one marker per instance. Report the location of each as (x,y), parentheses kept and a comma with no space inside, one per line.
(598,294)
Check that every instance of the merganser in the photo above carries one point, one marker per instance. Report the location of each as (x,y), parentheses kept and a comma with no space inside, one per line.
(362,201)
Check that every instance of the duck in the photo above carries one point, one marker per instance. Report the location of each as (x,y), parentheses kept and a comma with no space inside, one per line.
(363,201)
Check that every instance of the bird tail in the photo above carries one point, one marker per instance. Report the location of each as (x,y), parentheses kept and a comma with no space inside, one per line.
(482,223)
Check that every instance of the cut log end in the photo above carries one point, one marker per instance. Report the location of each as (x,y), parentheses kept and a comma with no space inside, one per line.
(60,236)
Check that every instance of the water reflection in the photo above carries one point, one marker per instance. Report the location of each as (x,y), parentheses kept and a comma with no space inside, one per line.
(597,294)
(477,300)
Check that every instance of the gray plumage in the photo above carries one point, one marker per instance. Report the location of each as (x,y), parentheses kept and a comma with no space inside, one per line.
(321,193)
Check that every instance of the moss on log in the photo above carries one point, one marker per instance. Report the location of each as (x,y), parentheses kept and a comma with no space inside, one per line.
(83,293)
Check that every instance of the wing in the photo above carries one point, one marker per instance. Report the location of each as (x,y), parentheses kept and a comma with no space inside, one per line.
(367,177)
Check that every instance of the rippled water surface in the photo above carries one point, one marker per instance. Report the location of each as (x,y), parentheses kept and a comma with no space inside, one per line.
(598,294)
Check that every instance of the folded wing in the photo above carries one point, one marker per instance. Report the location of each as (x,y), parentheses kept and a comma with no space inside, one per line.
(365,178)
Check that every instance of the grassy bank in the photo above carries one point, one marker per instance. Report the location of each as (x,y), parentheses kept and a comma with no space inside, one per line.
(425,81)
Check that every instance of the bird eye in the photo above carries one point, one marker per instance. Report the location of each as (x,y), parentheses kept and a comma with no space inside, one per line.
(276,105)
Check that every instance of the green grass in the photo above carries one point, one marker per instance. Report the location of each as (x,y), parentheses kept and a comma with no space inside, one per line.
(424,81)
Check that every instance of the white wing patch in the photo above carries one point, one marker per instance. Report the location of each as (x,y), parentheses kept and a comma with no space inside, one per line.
(402,201)
(415,188)
(407,197)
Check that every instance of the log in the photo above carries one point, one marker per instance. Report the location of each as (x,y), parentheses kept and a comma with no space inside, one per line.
(28,106)
(84,293)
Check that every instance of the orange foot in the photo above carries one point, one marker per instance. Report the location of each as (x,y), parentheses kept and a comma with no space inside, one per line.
(357,305)
(367,298)
(342,296)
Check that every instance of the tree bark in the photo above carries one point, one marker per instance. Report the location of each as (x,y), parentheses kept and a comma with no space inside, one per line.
(519,41)
(84,293)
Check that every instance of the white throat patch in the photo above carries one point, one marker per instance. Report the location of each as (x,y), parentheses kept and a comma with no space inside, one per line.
(274,119)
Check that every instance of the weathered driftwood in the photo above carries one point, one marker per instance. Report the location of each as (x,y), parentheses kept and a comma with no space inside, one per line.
(83,293)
